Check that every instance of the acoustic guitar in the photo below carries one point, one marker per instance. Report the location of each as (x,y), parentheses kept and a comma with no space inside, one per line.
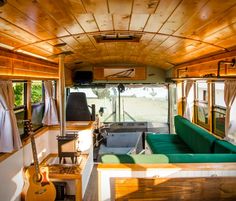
(37,185)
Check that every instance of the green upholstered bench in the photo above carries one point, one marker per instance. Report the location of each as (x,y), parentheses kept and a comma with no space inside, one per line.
(189,138)
(191,144)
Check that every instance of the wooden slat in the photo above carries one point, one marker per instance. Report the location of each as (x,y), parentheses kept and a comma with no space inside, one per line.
(121,22)
(163,11)
(95,6)
(18,33)
(209,19)
(144,6)
(138,22)
(181,14)
(88,23)
(38,17)
(219,188)
(120,7)
(63,17)
(15,64)
(104,21)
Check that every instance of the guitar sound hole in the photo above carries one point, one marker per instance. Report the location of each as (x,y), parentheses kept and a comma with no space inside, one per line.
(37,178)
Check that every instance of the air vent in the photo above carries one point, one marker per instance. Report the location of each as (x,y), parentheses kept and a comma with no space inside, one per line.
(60,45)
(117,37)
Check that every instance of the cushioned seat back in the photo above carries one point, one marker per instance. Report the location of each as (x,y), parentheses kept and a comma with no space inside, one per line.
(198,139)
(77,107)
(222,146)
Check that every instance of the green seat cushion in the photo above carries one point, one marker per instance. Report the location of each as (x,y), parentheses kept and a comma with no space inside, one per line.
(169,148)
(222,146)
(154,137)
(166,144)
(198,139)
(167,158)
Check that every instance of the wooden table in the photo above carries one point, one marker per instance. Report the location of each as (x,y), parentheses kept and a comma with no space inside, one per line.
(67,172)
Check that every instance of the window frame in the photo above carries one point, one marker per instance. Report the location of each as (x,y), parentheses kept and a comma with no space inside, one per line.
(22,107)
(197,104)
(32,105)
(215,107)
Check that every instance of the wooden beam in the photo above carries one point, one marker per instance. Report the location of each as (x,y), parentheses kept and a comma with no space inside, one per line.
(62,94)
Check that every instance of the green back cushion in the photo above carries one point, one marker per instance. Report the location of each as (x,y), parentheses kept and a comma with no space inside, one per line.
(198,139)
(222,146)
(168,158)
(166,144)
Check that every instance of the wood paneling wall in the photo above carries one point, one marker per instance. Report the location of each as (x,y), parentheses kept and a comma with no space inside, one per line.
(206,66)
(17,65)
(208,188)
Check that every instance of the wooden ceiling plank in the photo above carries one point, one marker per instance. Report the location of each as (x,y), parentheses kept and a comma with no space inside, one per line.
(61,12)
(120,7)
(138,22)
(222,34)
(157,40)
(145,6)
(36,14)
(48,47)
(87,22)
(11,41)
(20,34)
(95,6)
(104,21)
(185,10)
(163,11)
(16,17)
(228,42)
(121,22)
(209,19)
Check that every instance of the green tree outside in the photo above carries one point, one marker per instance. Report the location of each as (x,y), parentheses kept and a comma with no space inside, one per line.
(36,92)
(19,93)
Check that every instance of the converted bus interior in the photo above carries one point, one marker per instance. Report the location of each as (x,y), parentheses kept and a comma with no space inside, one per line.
(117,100)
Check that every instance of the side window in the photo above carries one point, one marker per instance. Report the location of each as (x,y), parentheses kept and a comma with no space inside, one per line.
(219,109)
(20,105)
(201,104)
(37,104)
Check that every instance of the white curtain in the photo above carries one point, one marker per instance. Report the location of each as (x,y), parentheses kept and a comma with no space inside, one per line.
(189,98)
(50,114)
(229,97)
(9,133)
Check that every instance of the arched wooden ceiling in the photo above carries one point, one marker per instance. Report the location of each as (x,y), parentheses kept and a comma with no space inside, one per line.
(172,31)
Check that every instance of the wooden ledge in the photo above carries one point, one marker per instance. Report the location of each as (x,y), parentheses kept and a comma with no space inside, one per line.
(75,125)
(181,166)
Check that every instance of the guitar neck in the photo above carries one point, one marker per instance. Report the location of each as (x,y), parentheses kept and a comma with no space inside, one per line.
(35,156)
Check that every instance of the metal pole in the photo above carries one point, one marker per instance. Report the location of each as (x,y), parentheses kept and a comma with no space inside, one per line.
(62,94)
(119,103)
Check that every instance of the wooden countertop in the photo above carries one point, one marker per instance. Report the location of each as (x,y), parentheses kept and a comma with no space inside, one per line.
(75,125)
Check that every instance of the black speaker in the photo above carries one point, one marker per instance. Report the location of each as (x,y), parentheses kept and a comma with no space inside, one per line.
(3,2)
(83,77)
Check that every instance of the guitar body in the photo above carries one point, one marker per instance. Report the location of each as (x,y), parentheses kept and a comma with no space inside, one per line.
(38,187)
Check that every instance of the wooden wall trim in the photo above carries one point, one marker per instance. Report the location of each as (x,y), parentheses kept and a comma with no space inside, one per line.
(18,65)
(179,166)
(214,57)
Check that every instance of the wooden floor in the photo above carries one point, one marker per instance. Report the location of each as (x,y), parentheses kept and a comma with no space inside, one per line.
(91,193)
